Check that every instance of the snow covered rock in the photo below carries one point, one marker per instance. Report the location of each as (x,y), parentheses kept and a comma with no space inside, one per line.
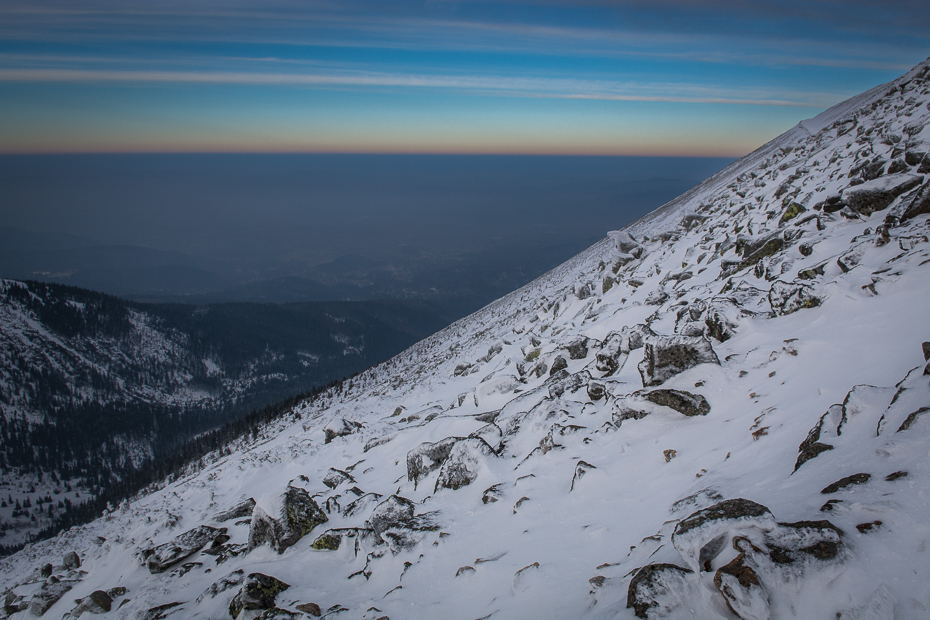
(878,194)
(786,298)
(239,511)
(681,401)
(394,522)
(258,592)
(658,589)
(340,427)
(667,356)
(703,535)
(166,555)
(463,464)
(49,594)
(335,477)
(98,602)
(427,457)
(280,521)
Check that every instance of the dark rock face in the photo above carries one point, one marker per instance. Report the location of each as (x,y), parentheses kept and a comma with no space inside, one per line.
(842,483)
(71,560)
(99,602)
(667,356)
(427,457)
(578,349)
(461,468)
(299,515)
(786,298)
(258,592)
(170,553)
(878,193)
(811,446)
(654,588)
(683,402)
(559,363)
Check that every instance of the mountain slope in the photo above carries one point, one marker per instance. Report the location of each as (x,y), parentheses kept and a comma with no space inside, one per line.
(718,412)
(94,389)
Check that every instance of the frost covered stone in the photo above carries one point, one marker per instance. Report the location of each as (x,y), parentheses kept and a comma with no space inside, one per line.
(427,457)
(170,553)
(877,194)
(295,516)
(578,348)
(568,384)
(658,589)
(461,467)
(786,298)
(258,592)
(340,427)
(239,511)
(703,535)
(335,477)
(48,595)
(681,401)
(667,356)
(394,522)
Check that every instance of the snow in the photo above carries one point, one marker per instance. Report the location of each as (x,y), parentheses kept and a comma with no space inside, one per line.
(547,542)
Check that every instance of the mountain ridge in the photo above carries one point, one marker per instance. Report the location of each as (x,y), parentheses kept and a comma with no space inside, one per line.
(715,412)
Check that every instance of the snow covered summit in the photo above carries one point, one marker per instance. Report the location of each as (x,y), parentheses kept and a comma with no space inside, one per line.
(718,412)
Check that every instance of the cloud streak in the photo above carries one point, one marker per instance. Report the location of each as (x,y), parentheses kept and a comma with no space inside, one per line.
(504,86)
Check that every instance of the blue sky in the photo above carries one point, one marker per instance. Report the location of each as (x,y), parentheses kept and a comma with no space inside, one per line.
(627,77)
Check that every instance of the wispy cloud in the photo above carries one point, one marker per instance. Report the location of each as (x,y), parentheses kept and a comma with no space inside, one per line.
(499,85)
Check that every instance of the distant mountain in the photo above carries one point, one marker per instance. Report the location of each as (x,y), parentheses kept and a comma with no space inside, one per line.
(720,411)
(92,387)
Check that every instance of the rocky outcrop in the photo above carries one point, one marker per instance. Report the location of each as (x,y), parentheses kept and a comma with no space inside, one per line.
(658,589)
(785,298)
(427,457)
(681,401)
(879,193)
(166,555)
(667,356)
(258,592)
(394,522)
(286,520)
(463,463)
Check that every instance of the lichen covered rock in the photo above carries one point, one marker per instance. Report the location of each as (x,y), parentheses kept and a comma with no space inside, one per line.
(667,356)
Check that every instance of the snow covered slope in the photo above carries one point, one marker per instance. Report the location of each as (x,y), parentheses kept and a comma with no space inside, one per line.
(718,412)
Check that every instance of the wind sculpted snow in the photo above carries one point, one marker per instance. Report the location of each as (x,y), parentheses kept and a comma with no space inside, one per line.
(480,478)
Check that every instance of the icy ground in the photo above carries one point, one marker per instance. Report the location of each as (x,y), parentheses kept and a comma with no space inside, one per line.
(738,431)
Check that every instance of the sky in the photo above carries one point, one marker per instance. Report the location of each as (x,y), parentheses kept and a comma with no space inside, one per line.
(595,77)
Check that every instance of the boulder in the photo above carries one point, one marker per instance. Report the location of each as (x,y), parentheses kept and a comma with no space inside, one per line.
(48,595)
(490,433)
(596,390)
(681,401)
(71,560)
(877,194)
(607,359)
(335,477)
(558,385)
(394,522)
(786,298)
(427,457)
(667,356)
(99,602)
(658,589)
(742,590)
(703,535)
(559,363)
(461,467)
(578,348)
(170,553)
(842,483)
(340,427)
(284,520)
(258,592)
(241,510)
(657,297)
(310,608)
(624,242)
(332,539)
